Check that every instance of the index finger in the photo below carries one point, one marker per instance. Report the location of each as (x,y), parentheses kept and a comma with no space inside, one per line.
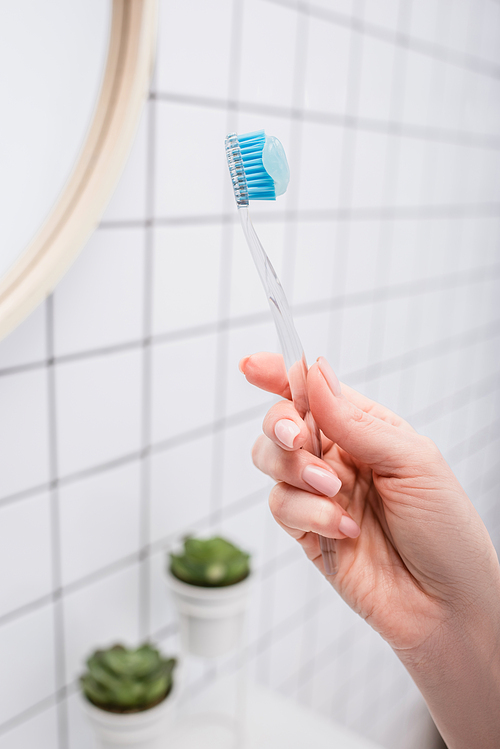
(267,371)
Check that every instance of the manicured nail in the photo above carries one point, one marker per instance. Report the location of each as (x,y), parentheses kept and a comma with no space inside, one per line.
(348,527)
(321,480)
(331,378)
(242,364)
(286,430)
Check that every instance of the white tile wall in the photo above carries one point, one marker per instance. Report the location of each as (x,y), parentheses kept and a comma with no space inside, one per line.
(101,614)
(24,431)
(25,551)
(27,641)
(98,410)
(110,272)
(99,514)
(40,730)
(124,419)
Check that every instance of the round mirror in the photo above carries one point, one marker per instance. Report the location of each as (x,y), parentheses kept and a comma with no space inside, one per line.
(67,127)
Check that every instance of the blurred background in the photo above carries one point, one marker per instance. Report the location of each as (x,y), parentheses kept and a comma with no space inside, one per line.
(124,419)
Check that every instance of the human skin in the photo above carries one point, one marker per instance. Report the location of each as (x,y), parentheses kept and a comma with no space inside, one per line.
(417,563)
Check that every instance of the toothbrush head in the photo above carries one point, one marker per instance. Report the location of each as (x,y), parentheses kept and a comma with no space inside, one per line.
(258,166)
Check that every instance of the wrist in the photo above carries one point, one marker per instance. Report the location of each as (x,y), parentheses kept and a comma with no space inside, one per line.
(457,670)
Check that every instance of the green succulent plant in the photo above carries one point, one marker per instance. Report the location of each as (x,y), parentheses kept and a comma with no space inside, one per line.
(127,680)
(210,563)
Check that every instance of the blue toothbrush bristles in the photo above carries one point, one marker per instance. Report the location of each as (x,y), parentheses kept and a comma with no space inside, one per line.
(244,158)
(260,184)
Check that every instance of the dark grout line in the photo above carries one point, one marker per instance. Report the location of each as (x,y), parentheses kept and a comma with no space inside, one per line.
(163,632)
(383,213)
(473,443)
(26,609)
(456,400)
(30,712)
(397,38)
(350,122)
(369,296)
(424,353)
(144,593)
(55,530)
(377,369)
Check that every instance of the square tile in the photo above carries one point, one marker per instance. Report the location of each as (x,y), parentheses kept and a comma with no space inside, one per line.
(362,257)
(409,188)
(189,179)
(240,394)
(409,259)
(128,201)
(369,169)
(25,536)
(114,600)
(327,67)
(98,410)
(285,658)
(376,80)
(320,167)
(291,588)
(452,98)
(181,482)
(194,44)
(245,529)
(99,302)
(424,20)
(384,13)
(398,336)
(27,653)
(342,8)
(100,521)
(183,386)
(39,731)
(27,343)
(417,90)
(488,47)
(355,339)
(314,274)
(24,431)
(186,276)
(240,477)
(268,54)
(460,16)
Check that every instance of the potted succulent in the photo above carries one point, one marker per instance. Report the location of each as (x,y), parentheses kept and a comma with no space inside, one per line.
(127,696)
(208,580)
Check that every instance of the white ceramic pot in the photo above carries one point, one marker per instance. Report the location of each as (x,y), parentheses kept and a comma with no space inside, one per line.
(211,619)
(148,729)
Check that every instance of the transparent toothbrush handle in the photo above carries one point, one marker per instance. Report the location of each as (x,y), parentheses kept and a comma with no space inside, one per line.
(294,357)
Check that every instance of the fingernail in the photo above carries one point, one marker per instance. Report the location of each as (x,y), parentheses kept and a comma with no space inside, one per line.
(321,480)
(348,527)
(242,364)
(331,378)
(286,430)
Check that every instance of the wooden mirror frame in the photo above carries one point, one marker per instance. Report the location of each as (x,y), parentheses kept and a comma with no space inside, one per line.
(88,190)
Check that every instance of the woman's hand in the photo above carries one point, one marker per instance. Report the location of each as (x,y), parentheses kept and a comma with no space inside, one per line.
(414,557)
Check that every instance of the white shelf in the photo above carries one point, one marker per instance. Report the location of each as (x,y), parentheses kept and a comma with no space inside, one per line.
(272,722)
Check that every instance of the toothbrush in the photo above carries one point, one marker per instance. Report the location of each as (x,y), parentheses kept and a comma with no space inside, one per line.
(259,171)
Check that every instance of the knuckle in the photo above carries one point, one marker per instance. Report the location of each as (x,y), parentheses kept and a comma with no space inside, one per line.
(257,451)
(277,499)
(325,517)
(429,448)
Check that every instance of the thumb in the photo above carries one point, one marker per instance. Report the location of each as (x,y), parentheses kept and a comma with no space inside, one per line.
(381,445)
